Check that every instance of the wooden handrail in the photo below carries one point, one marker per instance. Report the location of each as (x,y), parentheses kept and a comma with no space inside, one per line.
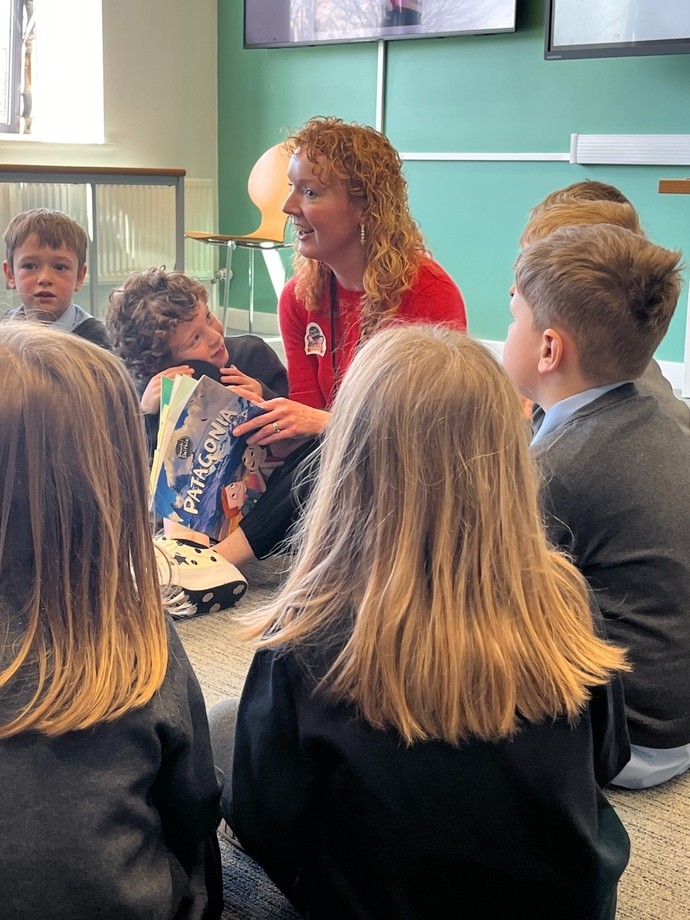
(674,186)
(91,170)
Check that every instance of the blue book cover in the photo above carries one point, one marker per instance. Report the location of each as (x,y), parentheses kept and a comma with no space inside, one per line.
(208,478)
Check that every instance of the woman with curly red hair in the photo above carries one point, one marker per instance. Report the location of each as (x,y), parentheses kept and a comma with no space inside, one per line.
(360,264)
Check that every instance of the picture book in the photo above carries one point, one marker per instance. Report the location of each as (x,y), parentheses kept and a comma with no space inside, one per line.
(202,476)
(174,393)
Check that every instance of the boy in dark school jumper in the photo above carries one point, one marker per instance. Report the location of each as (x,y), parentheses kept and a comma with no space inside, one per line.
(591,304)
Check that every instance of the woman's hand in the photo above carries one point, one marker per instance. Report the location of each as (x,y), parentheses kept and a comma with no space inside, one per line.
(285,420)
(151,398)
(233,377)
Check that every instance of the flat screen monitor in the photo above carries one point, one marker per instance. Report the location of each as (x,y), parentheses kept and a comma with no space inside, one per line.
(616,28)
(282,23)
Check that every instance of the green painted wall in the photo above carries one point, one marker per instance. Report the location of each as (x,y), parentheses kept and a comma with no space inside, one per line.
(475,94)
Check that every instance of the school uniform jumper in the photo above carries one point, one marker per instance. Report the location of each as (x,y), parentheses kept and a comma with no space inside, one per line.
(616,493)
(118,821)
(351,823)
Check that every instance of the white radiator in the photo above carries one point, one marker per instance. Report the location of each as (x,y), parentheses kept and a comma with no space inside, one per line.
(201,213)
(136,223)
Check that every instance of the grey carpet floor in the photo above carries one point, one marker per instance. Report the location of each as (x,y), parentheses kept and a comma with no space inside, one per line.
(655,886)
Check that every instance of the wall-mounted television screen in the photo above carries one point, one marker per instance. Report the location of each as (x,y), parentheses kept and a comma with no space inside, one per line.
(616,28)
(281,23)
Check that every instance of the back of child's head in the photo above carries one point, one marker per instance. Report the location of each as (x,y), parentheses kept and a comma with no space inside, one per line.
(406,429)
(143,313)
(574,212)
(613,291)
(77,568)
(51,228)
(420,544)
(584,190)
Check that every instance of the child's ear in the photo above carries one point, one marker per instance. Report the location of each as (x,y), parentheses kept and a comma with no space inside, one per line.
(80,277)
(9,274)
(551,353)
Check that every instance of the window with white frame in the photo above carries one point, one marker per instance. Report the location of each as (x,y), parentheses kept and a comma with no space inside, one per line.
(11,35)
(51,82)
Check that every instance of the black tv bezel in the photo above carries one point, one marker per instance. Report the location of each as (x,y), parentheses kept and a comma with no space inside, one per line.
(660,46)
(372,38)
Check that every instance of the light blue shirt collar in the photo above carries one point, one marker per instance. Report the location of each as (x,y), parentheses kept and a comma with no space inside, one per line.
(561,411)
(70,319)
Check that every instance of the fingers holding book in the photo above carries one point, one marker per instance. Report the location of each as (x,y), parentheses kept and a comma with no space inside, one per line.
(151,397)
(283,420)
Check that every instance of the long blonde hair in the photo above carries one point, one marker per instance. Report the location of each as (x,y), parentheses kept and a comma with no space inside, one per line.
(84,634)
(422,558)
(370,169)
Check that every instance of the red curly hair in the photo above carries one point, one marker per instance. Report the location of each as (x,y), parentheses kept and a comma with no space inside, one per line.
(370,168)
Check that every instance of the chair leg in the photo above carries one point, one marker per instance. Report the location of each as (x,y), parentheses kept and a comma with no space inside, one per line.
(275,269)
(250,279)
(228,281)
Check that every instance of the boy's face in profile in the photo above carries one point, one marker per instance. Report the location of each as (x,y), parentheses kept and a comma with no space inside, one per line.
(199,339)
(522,348)
(46,279)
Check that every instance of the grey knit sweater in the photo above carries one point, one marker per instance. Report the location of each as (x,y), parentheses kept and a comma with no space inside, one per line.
(616,492)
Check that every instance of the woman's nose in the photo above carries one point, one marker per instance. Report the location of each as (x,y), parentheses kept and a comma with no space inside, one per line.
(288,206)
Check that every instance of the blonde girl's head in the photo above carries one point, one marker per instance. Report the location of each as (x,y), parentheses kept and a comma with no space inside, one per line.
(422,557)
(84,628)
(370,169)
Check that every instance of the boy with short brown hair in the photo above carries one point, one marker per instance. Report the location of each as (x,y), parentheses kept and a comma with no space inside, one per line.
(565,208)
(590,307)
(45,262)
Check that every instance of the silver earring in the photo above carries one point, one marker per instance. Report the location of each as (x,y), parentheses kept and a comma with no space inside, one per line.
(362,234)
